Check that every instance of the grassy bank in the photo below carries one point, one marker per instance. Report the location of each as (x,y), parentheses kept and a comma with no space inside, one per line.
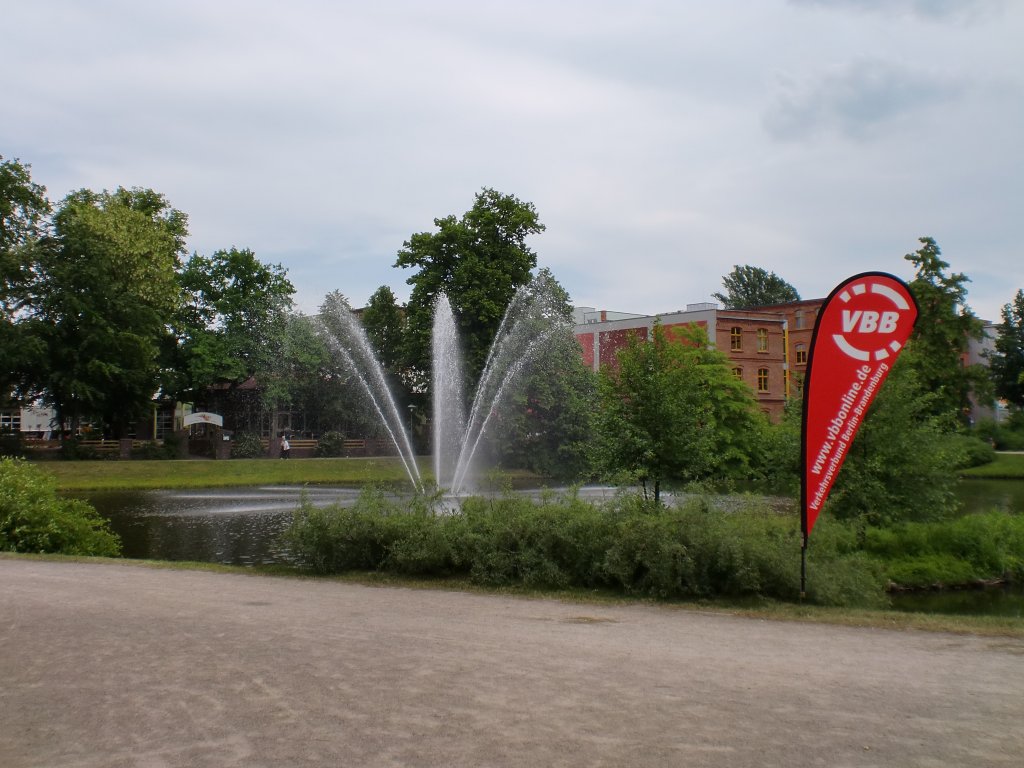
(144,475)
(1007,466)
(141,475)
(989,626)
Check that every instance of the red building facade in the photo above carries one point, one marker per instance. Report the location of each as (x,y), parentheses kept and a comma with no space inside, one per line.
(767,346)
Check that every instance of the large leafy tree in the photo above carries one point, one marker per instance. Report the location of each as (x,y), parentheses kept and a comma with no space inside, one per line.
(232,321)
(105,296)
(24,211)
(478,260)
(944,329)
(748,286)
(1007,361)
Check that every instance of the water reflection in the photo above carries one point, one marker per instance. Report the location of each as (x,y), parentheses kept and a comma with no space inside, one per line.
(1006,600)
(236,526)
(979,495)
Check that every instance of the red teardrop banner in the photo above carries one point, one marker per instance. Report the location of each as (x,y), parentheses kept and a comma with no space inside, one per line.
(861,329)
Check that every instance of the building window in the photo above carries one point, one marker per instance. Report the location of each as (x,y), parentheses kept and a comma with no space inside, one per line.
(801,354)
(762,339)
(738,373)
(762,379)
(10,421)
(164,423)
(736,338)
(801,320)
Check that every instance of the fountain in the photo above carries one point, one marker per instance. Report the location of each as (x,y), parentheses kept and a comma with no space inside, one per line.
(531,320)
(346,337)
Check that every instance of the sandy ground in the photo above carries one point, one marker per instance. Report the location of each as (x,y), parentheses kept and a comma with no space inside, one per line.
(122,665)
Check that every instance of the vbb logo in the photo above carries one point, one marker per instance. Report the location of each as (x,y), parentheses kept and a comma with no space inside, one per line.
(874,312)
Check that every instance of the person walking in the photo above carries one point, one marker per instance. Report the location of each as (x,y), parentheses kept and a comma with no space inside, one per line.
(286,447)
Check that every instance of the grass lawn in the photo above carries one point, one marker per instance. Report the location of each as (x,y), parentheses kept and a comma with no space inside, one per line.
(113,475)
(1007,466)
(141,475)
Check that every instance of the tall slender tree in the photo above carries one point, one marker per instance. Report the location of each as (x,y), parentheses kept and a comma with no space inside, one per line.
(384,322)
(944,330)
(1007,361)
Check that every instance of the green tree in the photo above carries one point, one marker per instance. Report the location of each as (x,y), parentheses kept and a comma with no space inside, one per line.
(1007,360)
(654,420)
(547,425)
(231,324)
(478,261)
(24,211)
(307,379)
(384,322)
(737,426)
(902,464)
(104,298)
(944,329)
(748,286)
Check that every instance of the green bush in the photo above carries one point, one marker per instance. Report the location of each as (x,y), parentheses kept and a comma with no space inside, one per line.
(11,443)
(73,450)
(627,545)
(513,540)
(246,445)
(973,450)
(155,450)
(1007,436)
(331,445)
(649,556)
(851,579)
(951,552)
(929,570)
(33,518)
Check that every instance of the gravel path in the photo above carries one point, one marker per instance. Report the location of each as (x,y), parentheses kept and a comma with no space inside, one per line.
(124,665)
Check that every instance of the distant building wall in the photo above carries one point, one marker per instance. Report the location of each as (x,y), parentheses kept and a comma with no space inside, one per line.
(754,341)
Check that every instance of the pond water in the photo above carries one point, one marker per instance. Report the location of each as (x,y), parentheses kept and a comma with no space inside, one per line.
(241,526)
(986,495)
(235,526)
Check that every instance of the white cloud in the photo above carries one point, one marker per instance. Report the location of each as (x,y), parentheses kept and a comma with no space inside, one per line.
(661,142)
(862,100)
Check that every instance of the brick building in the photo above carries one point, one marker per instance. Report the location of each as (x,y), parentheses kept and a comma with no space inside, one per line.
(767,345)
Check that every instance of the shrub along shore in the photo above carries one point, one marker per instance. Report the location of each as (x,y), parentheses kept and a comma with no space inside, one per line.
(692,550)
(695,550)
(1006,466)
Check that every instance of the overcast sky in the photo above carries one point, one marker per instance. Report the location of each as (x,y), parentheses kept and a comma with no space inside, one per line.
(661,141)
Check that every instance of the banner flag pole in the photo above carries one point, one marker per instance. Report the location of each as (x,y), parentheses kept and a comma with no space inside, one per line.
(803,569)
(860,330)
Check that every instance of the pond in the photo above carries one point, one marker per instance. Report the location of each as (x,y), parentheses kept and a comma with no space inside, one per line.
(241,526)
(985,495)
(235,526)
